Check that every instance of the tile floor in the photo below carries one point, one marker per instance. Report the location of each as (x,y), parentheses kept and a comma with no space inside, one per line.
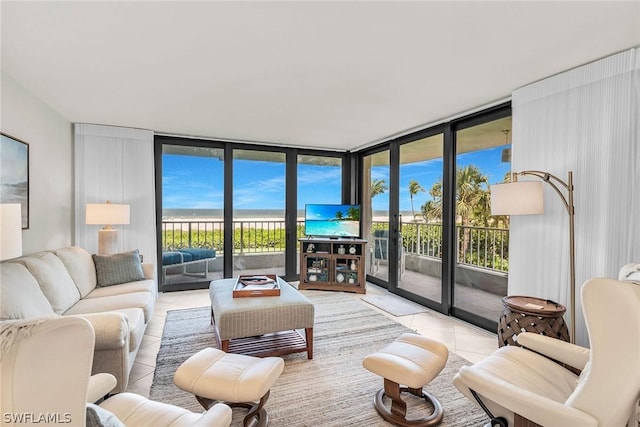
(466,340)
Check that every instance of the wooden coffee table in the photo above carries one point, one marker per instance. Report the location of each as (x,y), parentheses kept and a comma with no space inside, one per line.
(262,326)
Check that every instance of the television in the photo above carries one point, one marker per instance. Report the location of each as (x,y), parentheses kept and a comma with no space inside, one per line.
(333,221)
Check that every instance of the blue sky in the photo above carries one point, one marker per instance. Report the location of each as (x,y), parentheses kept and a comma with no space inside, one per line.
(197,182)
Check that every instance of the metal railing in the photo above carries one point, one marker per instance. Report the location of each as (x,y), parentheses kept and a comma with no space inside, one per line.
(483,247)
(249,236)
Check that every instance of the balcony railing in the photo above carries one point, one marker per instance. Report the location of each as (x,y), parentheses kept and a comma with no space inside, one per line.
(482,247)
(248,236)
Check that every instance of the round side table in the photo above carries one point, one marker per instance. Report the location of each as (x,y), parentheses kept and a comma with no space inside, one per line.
(531,314)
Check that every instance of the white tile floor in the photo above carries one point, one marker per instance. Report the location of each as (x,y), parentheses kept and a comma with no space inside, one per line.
(466,340)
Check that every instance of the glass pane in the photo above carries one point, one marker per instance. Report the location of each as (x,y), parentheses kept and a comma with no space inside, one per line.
(483,158)
(420,257)
(320,182)
(258,212)
(192,214)
(375,213)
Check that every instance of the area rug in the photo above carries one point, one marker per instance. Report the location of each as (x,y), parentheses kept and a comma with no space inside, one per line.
(394,305)
(333,389)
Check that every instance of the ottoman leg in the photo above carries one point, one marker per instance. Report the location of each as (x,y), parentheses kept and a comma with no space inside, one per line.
(308,332)
(398,413)
(256,412)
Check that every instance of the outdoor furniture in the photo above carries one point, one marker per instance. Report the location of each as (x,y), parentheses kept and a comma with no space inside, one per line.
(253,317)
(235,379)
(380,252)
(187,256)
(412,360)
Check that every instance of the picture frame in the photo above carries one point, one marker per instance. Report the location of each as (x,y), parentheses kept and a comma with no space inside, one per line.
(14,174)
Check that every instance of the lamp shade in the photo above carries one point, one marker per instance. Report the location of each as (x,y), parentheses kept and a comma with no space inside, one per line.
(11,228)
(107,213)
(517,198)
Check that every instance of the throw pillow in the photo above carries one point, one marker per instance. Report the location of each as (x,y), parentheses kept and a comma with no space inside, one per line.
(118,268)
(100,417)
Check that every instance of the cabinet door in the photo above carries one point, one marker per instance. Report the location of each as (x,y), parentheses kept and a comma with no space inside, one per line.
(317,269)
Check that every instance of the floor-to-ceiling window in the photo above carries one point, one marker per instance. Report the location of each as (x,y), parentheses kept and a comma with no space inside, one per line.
(192,220)
(259,229)
(375,214)
(420,207)
(432,237)
(319,180)
(239,207)
(483,157)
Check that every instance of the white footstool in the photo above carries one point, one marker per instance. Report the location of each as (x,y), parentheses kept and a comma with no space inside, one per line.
(411,360)
(235,379)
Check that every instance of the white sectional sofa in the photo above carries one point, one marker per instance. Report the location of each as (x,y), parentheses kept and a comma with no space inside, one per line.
(117,298)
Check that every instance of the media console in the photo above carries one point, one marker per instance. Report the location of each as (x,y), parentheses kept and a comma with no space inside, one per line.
(332,264)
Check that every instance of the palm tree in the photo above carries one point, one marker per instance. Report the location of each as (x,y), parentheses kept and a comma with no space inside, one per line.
(378,186)
(414,188)
(472,201)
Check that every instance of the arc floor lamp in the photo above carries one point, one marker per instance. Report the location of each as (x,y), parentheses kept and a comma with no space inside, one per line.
(526,198)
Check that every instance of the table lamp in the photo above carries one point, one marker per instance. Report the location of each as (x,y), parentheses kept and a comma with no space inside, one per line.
(526,198)
(11,228)
(107,214)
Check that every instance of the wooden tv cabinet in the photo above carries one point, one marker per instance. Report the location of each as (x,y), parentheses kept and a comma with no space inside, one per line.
(332,264)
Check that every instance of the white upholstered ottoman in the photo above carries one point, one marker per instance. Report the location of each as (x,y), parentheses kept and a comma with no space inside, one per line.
(235,379)
(411,360)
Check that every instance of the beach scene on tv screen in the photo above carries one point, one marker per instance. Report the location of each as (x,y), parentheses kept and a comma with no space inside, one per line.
(332,220)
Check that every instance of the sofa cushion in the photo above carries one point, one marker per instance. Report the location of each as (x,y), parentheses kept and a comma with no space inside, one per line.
(21,298)
(80,266)
(118,268)
(123,288)
(143,300)
(54,280)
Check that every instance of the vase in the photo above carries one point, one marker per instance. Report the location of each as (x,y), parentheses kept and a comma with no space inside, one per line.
(354,267)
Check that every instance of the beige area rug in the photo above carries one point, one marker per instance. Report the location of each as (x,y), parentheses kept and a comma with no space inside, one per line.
(333,389)
(394,305)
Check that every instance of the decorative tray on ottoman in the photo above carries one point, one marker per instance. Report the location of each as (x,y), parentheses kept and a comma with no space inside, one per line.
(263,285)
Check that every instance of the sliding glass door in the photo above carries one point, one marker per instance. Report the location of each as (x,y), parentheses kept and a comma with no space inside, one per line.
(483,157)
(420,206)
(259,233)
(226,209)
(375,215)
(431,236)
(192,223)
(319,182)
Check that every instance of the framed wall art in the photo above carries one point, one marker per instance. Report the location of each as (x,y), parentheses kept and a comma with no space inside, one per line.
(14,174)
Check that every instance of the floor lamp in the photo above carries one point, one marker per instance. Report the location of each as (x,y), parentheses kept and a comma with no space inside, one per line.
(526,198)
(107,214)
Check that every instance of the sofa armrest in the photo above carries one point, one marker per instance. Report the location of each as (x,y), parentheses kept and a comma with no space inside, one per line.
(111,329)
(149,270)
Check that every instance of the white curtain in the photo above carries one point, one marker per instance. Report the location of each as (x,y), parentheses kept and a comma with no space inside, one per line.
(584,120)
(116,164)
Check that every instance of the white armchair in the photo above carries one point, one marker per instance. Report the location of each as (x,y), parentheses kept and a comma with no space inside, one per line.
(517,385)
(46,372)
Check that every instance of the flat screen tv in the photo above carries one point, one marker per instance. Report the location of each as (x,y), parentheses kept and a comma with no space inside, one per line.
(332,220)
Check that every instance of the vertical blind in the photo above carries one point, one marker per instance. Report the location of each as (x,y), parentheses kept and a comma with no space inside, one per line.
(116,164)
(584,120)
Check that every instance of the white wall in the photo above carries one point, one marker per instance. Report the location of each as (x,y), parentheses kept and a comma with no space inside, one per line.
(49,136)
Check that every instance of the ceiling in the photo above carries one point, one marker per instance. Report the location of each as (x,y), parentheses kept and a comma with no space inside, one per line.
(331,74)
